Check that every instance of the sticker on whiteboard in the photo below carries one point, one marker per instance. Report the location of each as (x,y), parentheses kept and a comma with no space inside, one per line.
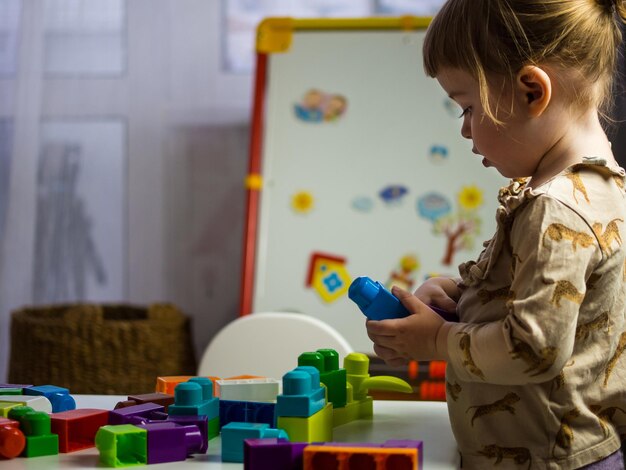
(438,153)
(328,276)
(318,106)
(403,276)
(363,204)
(393,194)
(302,202)
(459,227)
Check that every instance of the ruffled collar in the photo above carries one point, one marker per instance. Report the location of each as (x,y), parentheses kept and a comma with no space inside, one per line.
(514,195)
(517,192)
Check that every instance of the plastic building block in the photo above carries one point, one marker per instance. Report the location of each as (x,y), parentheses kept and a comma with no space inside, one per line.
(272,454)
(315,428)
(15,385)
(234,434)
(122,445)
(203,425)
(326,361)
(168,384)
(162,399)
(216,389)
(262,389)
(302,393)
(247,412)
(37,430)
(11,391)
(171,442)
(322,457)
(392,455)
(12,440)
(5,408)
(37,403)
(354,410)
(59,397)
(374,300)
(195,398)
(137,414)
(77,428)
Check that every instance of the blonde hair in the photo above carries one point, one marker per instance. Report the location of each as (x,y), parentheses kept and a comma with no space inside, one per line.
(496,38)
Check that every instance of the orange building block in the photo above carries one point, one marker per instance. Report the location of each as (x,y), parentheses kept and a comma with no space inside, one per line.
(347,458)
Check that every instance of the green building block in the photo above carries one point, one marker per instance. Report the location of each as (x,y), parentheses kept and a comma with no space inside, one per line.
(316,428)
(326,361)
(122,445)
(11,391)
(214,427)
(36,426)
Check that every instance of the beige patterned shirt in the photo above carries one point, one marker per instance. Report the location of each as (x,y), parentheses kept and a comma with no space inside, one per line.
(536,377)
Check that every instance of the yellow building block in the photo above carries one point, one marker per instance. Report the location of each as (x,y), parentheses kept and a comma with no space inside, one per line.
(360,409)
(315,428)
(6,407)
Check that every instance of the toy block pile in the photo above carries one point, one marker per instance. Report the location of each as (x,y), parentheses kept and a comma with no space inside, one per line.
(291,419)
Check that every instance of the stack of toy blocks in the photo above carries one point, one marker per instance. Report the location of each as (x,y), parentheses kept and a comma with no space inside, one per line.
(301,410)
(248,400)
(145,434)
(195,398)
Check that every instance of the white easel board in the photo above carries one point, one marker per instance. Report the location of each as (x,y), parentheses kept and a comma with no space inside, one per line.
(386,187)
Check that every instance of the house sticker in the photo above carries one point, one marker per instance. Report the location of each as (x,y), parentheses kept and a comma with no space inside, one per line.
(328,276)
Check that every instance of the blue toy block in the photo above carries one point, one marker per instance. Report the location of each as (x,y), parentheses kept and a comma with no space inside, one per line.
(234,434)
(302,394)
(374,300)
(247,412)
(189,400)
(59,397)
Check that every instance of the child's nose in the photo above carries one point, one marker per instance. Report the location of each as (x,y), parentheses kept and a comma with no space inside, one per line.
(466,129)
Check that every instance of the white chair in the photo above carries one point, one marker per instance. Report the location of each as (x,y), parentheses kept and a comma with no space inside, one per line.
(268,344)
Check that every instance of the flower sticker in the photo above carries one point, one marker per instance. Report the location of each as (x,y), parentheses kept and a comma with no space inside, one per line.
(302,202)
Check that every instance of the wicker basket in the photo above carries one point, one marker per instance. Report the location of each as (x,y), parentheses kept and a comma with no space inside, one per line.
(100,349)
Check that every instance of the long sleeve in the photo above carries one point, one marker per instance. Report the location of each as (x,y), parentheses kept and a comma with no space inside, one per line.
(553,251)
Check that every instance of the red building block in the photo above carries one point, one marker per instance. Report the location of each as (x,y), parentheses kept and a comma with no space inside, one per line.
(12,440)
(77,428)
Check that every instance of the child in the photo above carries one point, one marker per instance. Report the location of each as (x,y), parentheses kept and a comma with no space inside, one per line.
(536,376)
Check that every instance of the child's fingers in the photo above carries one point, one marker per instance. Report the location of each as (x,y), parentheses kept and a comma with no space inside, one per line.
(412,303)
(381,328)
(388,355)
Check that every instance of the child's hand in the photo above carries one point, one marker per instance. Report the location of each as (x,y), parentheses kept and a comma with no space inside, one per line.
(413,337)
(440,292)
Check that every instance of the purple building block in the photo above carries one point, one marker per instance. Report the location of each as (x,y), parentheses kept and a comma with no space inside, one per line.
(171,442)
(15,386)
(138,414)
(203,424)
(272,454)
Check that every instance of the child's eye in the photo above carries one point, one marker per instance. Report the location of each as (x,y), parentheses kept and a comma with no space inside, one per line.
(465,111)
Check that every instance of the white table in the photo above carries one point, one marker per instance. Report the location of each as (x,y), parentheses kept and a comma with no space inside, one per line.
(426,421)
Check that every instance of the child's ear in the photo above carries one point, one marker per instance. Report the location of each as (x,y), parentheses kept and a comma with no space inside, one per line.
(534,89)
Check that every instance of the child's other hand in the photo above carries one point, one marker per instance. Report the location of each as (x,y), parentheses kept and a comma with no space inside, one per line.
(440,292)
(411,338)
